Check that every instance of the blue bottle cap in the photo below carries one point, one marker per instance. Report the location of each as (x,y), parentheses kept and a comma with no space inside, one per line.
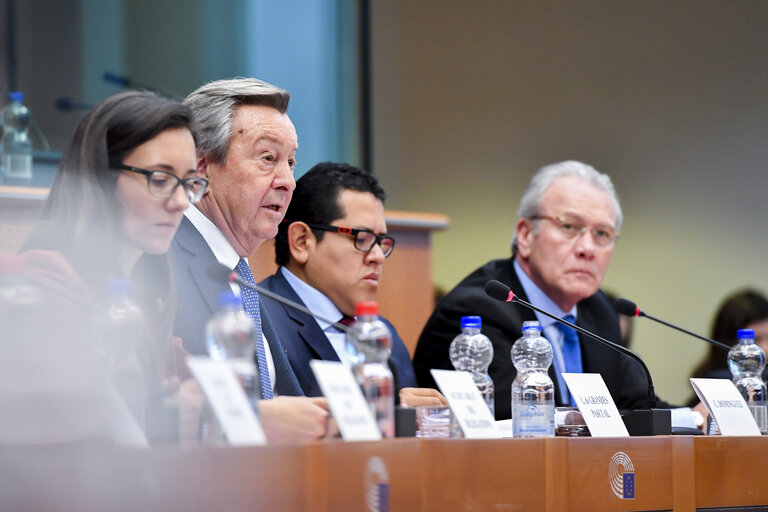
(471,322)
(16,96)
(745,334)
(531,324)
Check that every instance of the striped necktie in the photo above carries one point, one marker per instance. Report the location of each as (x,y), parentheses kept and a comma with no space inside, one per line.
(251,303)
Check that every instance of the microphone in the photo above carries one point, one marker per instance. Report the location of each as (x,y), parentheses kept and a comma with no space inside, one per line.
(219,272)
(628,308)
(641,422)
(68,104)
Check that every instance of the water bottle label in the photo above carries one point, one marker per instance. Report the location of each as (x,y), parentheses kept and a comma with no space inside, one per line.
(533,420)
(18,166)
(760,412)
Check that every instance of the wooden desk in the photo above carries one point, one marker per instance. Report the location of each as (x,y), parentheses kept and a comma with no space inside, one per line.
(670,473)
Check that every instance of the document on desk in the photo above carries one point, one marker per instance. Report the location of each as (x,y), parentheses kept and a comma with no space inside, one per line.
(346,400)
(596,404)
(724,402)
(239,422)
(471,411)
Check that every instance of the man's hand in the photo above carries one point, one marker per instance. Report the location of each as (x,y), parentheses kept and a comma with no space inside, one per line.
(294,418)
(414,397)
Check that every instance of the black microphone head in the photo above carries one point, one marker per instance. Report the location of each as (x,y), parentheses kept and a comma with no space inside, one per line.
(626,307)
(498,290)
(218,272)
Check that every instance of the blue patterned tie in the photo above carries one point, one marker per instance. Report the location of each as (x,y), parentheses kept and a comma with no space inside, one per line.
(571,348)
(251,302)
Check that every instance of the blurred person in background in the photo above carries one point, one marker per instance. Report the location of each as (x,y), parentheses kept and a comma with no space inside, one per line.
(246,148)
(743,309)
(97,279)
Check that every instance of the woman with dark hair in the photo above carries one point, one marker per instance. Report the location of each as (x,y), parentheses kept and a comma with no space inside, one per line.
(118,198)
(744,309)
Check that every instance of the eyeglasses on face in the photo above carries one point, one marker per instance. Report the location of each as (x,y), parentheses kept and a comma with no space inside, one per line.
(163,183)
(365,239)
(571,229)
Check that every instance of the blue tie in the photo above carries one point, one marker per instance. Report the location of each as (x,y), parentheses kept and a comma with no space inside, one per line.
(571,348)
(251,302)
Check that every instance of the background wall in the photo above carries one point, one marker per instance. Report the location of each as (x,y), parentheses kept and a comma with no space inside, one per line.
(469,99)
(669,98)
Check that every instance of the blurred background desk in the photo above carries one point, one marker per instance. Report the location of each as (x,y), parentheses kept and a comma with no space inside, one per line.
(670,473)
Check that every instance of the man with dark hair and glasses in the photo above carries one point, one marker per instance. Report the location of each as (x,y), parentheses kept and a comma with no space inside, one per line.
(567,225)
(331,250)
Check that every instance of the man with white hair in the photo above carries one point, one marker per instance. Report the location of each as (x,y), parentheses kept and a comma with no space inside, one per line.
(567,225)
(246,148)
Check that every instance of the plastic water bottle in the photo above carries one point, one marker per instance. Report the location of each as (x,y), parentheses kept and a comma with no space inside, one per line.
(369,344)
(471,351)
(16,157)
(746,362)
(230,338)
(533,394)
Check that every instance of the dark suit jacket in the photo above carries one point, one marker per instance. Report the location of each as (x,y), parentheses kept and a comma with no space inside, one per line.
(502,323)
(199,299)
(302,336)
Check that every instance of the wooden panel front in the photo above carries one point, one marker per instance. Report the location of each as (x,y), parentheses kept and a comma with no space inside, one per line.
(231,479)
(731,471)
(342,476)
(589,482)
(462,474)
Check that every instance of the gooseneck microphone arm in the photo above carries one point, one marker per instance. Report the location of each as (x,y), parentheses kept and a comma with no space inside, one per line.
(628,308)
(500,291)
(219,272)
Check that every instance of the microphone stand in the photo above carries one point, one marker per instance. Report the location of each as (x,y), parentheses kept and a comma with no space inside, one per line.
(639,422)
(405,417)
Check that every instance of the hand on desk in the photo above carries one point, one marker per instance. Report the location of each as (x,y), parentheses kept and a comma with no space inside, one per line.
(294,418)
(414,397)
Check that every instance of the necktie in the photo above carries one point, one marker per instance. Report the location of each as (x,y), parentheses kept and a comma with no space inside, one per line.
(347,320)
(251,303)
(571,348)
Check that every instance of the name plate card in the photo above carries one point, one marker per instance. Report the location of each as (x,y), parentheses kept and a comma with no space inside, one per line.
(596,404)
(346,400)
(228,400)
(724,402)
(471,411)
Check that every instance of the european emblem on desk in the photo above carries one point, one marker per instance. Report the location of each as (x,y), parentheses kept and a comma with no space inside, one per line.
(621,474)
(377,485)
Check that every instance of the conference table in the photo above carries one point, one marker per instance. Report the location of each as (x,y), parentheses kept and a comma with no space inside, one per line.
(680,473)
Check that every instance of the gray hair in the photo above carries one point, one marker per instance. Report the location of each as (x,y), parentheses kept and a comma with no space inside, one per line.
(214,103)
(547,175)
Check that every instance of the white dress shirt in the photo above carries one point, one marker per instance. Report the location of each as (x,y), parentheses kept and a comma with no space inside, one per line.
(226,255)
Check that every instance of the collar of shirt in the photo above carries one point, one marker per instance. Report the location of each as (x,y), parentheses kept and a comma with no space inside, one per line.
(222,249)
(548,326)
(540,299)
(226,255)
(314,299)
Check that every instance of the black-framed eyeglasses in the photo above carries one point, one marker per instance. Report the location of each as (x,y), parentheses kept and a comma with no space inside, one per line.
(604,236)
(163,183)
(365,239)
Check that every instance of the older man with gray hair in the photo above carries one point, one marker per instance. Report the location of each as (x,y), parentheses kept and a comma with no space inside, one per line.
(246,148)
(567,225)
